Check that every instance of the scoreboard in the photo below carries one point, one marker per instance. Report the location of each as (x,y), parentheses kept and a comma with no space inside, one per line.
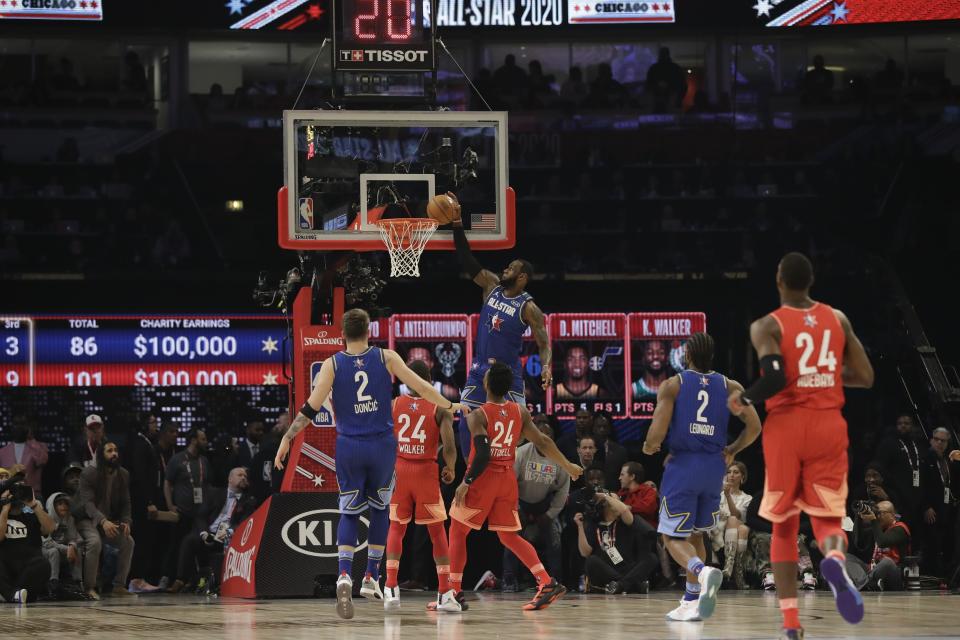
(94,351)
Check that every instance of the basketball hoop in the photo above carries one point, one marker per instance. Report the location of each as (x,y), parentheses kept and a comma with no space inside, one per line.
(405,239)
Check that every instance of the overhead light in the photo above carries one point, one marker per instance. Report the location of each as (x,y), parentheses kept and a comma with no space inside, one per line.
(234,206)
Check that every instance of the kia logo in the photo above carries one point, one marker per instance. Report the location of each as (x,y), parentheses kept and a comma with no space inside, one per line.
(314,533)
(246,532)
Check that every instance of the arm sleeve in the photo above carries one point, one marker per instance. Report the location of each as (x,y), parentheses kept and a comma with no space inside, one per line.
(481,457)
(772,379)
(467,261)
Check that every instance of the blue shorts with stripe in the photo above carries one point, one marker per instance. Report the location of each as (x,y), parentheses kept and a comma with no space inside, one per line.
(474,395)
(365,472)
(690,493)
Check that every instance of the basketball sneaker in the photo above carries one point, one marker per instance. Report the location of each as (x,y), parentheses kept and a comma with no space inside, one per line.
(768,582)
(487,581)
(391,598)
(448,602)
(20,597)
(809,582)
(791,634)
(688,611)
(710,579)
(547,594)
(849,600)
(370,588)
(345,596)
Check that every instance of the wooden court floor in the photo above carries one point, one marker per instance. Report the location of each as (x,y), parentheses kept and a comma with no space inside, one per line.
(595,617)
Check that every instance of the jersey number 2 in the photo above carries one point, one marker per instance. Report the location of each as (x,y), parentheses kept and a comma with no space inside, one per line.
(502,431)
(418,432)
(827,358)
(363,380)
(704,399)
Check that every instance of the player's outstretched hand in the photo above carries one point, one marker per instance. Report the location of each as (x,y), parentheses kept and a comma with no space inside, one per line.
(456,206)
(735,405)
(547,376)
(650,449)
(282,452)
(446,475)
(462,408)
(461,494)
(574,470)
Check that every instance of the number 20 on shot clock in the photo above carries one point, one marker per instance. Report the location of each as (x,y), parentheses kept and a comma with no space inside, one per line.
(381,35)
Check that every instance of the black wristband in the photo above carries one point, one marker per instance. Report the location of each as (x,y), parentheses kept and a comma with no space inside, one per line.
(309,411)
(772,380)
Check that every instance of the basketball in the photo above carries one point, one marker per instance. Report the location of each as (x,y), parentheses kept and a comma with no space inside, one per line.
(443,209)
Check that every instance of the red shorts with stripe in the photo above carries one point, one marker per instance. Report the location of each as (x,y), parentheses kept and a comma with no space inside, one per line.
(492,497)
(417,493)
(805,452)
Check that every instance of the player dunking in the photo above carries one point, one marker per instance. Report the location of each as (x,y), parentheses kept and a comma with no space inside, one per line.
(359,378)
(489,488)
(418,424)
(808,352)
(692,414)
(507,312)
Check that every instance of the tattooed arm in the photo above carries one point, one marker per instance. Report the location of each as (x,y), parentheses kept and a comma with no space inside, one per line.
(314,402)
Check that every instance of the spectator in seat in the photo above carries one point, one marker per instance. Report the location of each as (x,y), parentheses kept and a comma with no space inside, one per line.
(818,83)
(593,480)
(582,426)
(543,491)
(613,455)
(607,535)
(185,486)
(71,478)
(586,458)
(25,454)
(875,487)
(248,447)
(23,570)
(939,504)
(639,495)
(64,542)
(146,493)
(84,447)
(891,544)
(761,535)
(666,83)
(731,534)
(102,511)
(900,459)
(222,510)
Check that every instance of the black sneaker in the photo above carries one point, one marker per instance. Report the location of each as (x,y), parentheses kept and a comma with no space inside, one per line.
(547,594)
(462,600)
(613,588)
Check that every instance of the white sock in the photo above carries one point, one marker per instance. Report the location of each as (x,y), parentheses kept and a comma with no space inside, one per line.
(741,545)
(730,535)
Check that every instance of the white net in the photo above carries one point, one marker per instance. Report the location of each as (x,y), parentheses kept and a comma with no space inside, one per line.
(405,239)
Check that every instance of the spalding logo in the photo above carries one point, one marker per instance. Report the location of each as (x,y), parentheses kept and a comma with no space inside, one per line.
(314,533)
(247,530)
(309,341)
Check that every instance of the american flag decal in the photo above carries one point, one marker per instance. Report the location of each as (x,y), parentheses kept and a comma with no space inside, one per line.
(483,222)
(804,13)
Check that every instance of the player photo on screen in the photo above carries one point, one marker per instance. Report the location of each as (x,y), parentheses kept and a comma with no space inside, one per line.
(588,363)
(657,343)
(447,363)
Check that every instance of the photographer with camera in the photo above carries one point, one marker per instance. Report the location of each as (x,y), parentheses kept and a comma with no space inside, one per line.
(879,523)
(23,570)
(103,512)
(607,537)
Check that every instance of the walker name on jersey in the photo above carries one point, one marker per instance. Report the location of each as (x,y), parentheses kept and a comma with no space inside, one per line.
(430,329)
(700,429)
(817,381)
(411,449)
(370,406)
(589,329)
(667,327)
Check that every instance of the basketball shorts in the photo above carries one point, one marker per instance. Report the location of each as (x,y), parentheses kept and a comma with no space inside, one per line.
(365,472)
(417,494)
(492,497)
(690,493)
(805,452)
(474,395)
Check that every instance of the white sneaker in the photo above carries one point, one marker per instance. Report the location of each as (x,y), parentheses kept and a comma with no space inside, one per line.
(710,580)
(391,597)
(809,582)
(486,581)
(370,589)
(20,597)
(768,583)
(688,611)
(345,596)
(448,602)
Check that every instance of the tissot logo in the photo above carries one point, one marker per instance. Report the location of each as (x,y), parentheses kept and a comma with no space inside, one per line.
(314,533)
(383,55)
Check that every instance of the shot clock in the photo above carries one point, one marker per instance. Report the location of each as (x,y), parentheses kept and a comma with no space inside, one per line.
(381,35)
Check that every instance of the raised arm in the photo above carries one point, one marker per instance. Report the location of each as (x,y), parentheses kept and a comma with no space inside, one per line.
(662,414)
(448,439)
(857,370)
(749,417)
(488,280)
(546,446)
(308,411)
(397,367)
(533,316)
